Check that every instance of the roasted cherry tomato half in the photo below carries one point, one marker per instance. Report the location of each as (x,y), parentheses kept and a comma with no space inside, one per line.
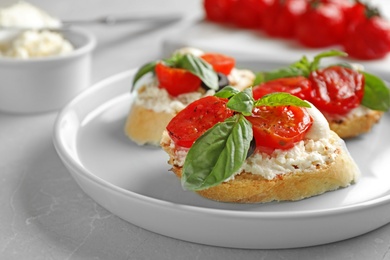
(190,123)
(336,89)
(298,86)
(175,80)
(220,62)
(279,127)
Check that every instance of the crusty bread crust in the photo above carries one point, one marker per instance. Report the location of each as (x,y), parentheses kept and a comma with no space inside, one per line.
(356,125)
(144,126)
(250,188)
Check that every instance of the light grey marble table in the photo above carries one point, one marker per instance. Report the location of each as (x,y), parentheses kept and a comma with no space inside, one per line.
(45,214)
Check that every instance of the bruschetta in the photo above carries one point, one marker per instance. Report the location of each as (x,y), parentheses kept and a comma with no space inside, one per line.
(352,100)
(232,148)
(187,75)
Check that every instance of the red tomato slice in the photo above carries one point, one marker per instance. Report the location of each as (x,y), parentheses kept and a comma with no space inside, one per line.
(220,63)
(175,80)
(279,127)
(298,86)
(190,123)
(336,89)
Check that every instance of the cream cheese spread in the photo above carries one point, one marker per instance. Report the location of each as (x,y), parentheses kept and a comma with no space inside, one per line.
(320,127)
(189,50)
(157,99)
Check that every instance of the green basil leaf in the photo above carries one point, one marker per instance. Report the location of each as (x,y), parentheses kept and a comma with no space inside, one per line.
(286,72)
(227,92)
(217,154)
(302,67)
(173,61)
(299,68)
(376,93)
(242,102)
(200,68)
(281,99)
(142,71)
(331,53)
(259,78)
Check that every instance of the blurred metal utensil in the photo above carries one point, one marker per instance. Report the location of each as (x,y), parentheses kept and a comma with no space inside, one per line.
(107,20)
(131,18)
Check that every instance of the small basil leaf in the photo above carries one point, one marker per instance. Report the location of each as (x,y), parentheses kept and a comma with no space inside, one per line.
(331,53)
(200,68)
(302,65)
(259,78)
(242,102)
(173,61)
(227,92)
(281,99)
(280,73)
(376,93)
(142,71)
(217,154)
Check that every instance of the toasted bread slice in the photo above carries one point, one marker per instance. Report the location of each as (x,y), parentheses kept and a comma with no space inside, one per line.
(144,126)
(246,187)
(356,124)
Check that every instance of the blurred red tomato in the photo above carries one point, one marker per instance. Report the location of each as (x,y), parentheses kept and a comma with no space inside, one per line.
(248,13)
(321,25)
(218,10)
(368,34)
(281,17)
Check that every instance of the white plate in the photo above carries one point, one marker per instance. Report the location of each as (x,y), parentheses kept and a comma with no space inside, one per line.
(135,184)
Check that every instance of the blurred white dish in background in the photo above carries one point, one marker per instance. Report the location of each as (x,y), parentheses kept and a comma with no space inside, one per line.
(31,40)
(44,84)
(36,74)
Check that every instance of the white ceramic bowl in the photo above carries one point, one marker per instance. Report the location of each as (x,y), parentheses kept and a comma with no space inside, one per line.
(48,83)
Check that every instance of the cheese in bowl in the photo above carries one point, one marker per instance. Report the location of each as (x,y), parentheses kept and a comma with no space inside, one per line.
(42,69)
(25,33)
